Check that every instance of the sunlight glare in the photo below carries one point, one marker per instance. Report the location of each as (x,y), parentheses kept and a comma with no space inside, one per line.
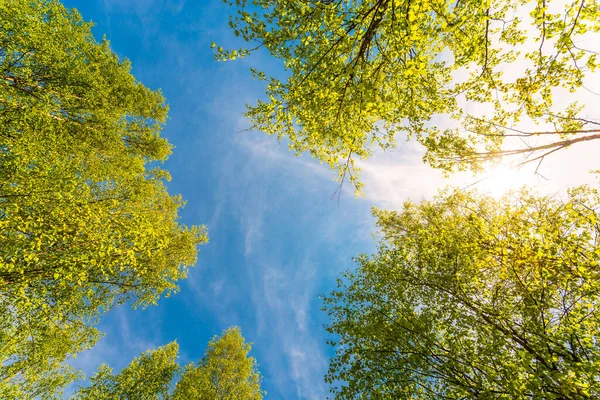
(503,178)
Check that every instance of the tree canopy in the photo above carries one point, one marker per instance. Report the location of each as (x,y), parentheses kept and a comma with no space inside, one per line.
(226,372)
(472,297)
(458,76)
(86,221)
(148,377)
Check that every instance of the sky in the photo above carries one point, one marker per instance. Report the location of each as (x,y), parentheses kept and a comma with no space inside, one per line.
(277,238)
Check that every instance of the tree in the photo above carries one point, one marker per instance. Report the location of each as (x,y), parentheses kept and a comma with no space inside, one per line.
(224,373)
(359,72)
(472,297)
(146,377)
(86,222)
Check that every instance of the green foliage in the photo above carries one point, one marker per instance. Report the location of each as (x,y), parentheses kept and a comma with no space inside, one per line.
(86,221)
(224,373)
(359,72)
(147,377)
(472,297)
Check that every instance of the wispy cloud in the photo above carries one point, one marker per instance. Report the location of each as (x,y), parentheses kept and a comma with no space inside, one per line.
(278,274)
(285,297)
(217,287)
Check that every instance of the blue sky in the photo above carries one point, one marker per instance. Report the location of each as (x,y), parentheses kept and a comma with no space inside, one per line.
(277,239)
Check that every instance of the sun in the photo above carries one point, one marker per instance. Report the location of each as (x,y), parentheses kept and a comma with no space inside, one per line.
(503,178)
